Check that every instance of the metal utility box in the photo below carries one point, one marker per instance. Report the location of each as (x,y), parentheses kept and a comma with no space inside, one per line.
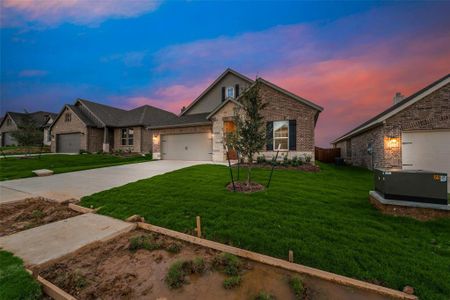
(412,185)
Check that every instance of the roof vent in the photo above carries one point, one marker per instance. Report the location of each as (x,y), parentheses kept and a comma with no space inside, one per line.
(398,98)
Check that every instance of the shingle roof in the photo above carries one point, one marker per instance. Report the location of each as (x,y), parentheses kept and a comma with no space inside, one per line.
(186,120)
(82,116)
(39,117)
(108,115)
(146,115)
(378,119)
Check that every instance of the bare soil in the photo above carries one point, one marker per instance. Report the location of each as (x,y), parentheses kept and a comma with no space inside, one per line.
(110,270)
(32,212)
(421,214)
(245,188)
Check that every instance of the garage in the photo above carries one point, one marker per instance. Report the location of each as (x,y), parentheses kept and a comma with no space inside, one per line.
(426,150)
(193,146)
(68,143)
(8,139)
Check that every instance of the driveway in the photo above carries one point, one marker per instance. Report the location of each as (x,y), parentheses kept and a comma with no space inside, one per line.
(75,185)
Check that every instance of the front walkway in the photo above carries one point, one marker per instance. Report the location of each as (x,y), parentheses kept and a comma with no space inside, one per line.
(75,185)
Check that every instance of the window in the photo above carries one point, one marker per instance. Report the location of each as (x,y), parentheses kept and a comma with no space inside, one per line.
(281,135)
(127,136)
(68,117)
(230,92)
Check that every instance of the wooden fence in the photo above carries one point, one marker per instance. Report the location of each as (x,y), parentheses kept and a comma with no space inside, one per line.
(327,155)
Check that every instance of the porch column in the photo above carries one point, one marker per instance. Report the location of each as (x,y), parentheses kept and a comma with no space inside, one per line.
(105,140)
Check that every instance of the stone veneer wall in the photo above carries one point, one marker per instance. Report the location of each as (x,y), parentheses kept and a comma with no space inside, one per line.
(175,130)
(74,126)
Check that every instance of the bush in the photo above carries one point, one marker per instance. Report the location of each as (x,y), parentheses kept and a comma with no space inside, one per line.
(174,248)
(198,265)
(295,162)
(232,282)
(285,160)
(82,151)
(297,287)
(308,158)
(228,263)
(261,159)
(264,296)
(144,242)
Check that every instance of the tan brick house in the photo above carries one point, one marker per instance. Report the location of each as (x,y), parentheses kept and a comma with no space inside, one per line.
(198,133)
(414,133)
(95,127)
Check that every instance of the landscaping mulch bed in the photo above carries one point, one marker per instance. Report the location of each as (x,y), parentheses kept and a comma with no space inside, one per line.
(245,188)
(304,167)
(32,212)
(145,265)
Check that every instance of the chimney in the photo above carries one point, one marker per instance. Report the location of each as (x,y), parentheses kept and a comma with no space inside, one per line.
(398,97)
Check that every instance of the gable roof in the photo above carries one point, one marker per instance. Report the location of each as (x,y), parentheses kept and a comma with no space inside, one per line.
(226,72)
(222,105)
(396,108)
(39,117)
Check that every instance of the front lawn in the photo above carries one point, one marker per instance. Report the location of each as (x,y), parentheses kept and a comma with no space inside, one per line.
(15,281)
(325,218)
(12,168)
(15,150)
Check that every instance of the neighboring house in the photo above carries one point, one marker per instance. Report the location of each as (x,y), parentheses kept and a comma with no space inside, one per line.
(13,120)
(95,127)
(414,133)
(198,133)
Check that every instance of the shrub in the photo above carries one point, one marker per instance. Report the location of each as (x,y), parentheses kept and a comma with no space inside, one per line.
(308,158)
(264,296)
(274,161)
(174,248)
(37,214)
(285,160)
(144,242)
(228,263)
(198,265)
(175,277)
(232,282)
(82,151)
(297,287)
(261,159)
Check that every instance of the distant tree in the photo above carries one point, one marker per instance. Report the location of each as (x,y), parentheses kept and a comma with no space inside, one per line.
(28,133)
(250,136)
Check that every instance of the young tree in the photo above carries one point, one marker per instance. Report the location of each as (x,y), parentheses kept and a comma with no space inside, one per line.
(249,137)
(28,133)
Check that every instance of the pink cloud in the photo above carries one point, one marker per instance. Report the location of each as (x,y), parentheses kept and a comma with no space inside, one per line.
(52,12)
(32,73)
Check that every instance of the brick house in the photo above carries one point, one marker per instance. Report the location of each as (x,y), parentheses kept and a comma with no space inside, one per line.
(414,133)
(198,133)
(95,127)
(13,120)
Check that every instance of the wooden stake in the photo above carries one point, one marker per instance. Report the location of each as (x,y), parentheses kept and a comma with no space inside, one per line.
(199,227)
(291,256)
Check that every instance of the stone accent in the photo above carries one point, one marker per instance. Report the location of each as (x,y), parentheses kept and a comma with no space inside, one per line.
(74,126)
(157,133)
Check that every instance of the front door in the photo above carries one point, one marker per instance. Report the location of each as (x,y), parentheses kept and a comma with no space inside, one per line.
(230,127)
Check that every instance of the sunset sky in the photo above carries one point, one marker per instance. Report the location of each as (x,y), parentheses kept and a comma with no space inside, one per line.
(348,57)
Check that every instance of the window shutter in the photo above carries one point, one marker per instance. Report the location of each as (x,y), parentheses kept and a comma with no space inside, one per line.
(236,90)
(292,134)
(223,93)
(269,136)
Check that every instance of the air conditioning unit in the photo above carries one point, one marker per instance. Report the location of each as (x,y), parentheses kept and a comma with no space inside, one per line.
(412,185)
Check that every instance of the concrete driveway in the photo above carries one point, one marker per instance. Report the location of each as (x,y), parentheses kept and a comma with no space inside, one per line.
(75,185)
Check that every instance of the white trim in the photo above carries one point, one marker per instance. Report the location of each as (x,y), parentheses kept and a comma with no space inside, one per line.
(397,110)
(275,148)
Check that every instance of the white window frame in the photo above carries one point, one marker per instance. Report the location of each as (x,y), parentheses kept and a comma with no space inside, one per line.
(226,92)
(127,134)
(275,145)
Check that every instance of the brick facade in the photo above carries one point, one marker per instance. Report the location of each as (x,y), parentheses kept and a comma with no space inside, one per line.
(74,126)
(430,113)
(142,140)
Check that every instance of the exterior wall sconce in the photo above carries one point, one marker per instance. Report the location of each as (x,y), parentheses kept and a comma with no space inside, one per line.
(393,142)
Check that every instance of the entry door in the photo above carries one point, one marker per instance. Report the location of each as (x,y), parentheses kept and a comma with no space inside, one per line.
(230,127)
(194,146)
(426,150)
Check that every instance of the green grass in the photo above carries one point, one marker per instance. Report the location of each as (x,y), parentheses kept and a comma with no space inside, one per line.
(12,168)
(324,217)
(15,281)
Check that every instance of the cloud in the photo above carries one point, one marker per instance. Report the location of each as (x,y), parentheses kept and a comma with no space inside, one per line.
(32,73)
(18,13)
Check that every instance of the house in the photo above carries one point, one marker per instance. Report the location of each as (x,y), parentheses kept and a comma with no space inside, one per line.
(414,133)
(95,127)
(12,121)
(198,133)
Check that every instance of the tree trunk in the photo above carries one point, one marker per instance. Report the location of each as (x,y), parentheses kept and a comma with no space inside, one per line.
(249,171)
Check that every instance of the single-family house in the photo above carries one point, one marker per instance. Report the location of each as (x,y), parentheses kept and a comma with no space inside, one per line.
(414,133)
(94,127)
(12,121)
(199,131)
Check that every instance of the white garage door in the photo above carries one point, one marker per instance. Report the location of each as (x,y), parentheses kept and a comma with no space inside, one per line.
(195,146)
(426,150)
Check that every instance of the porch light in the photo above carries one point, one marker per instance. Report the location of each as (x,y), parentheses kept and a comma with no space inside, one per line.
(392,142)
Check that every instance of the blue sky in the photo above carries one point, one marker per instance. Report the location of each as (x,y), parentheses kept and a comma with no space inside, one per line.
(345,56)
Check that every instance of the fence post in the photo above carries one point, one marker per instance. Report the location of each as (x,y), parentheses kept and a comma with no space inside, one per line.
(199,227)
(291,256)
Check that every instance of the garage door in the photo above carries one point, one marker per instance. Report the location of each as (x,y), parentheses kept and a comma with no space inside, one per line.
(8,140)
(68,143)
(196,146)
(427,150)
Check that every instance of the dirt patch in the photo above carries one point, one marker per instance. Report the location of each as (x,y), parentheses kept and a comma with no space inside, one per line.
(421,214)
(31,213)
(244,187)
(122,269)
(280,166)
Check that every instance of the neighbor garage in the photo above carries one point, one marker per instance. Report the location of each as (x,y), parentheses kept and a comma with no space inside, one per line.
(68,143)
(191,146)
(426,150)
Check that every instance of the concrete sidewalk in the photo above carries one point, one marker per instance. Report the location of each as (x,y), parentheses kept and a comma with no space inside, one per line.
(74,185)
(44,243)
